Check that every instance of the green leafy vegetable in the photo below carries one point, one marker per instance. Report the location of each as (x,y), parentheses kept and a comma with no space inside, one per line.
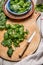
(19,6)
(7,43)
(2,27)
(3,18)
(39,7)
(7,26)
(6,36)
(10,52)
(13,36)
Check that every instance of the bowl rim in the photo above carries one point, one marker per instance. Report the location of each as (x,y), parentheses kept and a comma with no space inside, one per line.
(14,13)
(16,17)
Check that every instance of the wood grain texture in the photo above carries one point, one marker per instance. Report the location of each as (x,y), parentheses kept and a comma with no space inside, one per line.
(11,16)
(29,24)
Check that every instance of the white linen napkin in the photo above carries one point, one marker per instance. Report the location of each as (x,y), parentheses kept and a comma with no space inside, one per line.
(37,57)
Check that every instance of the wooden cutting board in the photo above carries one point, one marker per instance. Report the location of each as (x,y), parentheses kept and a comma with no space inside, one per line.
(29,24)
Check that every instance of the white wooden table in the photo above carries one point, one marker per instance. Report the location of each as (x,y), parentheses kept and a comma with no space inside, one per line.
(4,62)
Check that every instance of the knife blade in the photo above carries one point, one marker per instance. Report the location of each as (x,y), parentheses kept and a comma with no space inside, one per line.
(28,42)
(31,37)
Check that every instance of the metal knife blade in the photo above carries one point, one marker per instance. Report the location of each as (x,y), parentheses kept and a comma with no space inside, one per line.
(31,37)
(28,42)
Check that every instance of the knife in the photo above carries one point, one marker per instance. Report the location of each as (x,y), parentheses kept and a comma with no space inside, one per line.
(28,42)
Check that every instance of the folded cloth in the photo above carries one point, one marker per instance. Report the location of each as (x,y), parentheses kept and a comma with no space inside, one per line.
(37,57)
(34,59)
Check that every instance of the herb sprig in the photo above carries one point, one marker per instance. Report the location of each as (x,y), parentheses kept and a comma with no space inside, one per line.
(39,7)
(3,18)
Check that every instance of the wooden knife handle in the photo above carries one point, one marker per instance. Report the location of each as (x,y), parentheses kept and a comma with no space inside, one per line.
(23,51)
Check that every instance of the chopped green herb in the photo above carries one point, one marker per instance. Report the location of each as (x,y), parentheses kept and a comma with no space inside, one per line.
(6,36)
(7,26)
(10,52)
(3,18)
(39,7)
(19,6)
(7,43)
(13,36)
